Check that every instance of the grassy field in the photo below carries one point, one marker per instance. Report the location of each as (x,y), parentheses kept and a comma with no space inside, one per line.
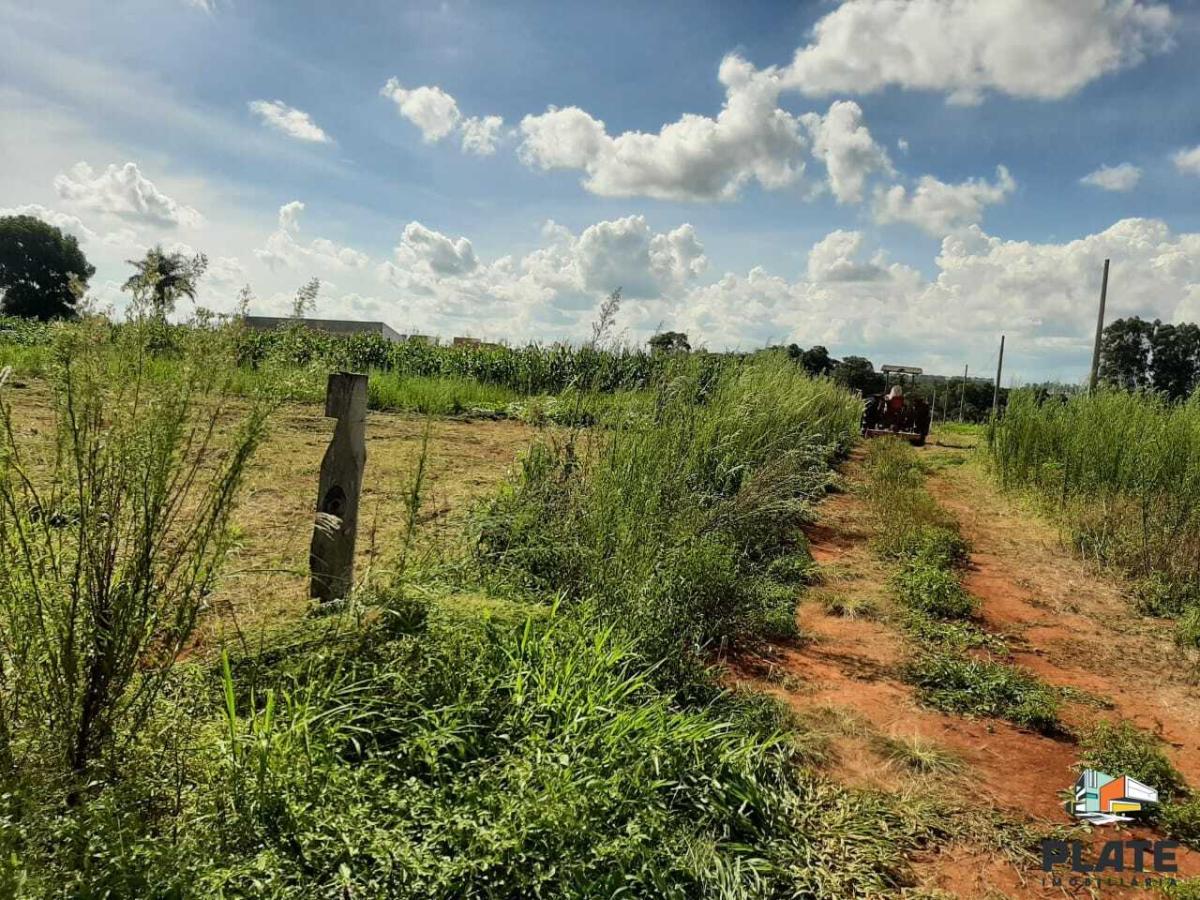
(1122,470)
(517,702)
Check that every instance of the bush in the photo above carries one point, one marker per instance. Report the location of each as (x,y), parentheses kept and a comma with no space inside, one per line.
(961,684)
(669,526)
(1180,819)
(111,543)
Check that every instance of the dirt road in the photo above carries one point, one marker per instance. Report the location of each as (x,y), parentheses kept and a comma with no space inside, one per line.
(1061,617)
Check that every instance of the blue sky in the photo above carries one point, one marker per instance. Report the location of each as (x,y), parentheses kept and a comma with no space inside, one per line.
(849,195)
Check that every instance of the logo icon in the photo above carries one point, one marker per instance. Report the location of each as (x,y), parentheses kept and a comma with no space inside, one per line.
(1102,799)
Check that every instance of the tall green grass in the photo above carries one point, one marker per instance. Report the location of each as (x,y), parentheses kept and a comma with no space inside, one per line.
(671,526)
(1123,470)
(424,742)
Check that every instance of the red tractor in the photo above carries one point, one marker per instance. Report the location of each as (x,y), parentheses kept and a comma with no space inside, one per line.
(893,413)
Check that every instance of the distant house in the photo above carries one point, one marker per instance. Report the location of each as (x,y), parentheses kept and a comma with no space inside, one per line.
(466,342)
(342,327)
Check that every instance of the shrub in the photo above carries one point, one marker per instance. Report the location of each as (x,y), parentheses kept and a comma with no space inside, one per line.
(1180,819)
(962,684)
(107,557)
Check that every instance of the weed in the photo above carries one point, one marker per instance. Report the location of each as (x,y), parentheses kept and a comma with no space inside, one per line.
(849,607)
(934,592)
(970,686)
(921,755)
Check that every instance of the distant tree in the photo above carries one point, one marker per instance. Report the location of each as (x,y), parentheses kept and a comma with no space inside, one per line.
(244,298)
(795,351)
(858,373)
(1174,358)
(1125,349)
(305,301)
(161,278)
(669,342)
(816,361)
(43,273)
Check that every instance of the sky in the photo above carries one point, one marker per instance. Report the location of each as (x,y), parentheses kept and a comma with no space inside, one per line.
(901,179)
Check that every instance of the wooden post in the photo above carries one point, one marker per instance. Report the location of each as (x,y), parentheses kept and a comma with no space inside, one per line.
(1095,376)
(331,555)
(962,394)
(996,389)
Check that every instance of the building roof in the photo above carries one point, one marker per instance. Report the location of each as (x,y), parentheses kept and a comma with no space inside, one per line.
(333,326)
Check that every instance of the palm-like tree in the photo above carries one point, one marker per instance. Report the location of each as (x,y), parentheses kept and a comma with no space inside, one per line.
(161,278)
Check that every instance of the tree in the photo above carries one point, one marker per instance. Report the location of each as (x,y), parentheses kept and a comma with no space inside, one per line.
(1175,358)
(669,342)
(858,373)
(1125,349)
(816,361)
(305,301)
(43,273)
(161,278)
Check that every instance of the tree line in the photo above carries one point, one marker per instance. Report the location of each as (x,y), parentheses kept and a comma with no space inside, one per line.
(1156,356)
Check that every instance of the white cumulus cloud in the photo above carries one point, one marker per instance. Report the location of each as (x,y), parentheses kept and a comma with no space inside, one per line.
(1042,49)
(65,222)
(437,115)
(694,158)
(939,208)
(1188,161)
(122,191)
(283,250)
(289,120)
(836,257)
(1123,177)
(843,142)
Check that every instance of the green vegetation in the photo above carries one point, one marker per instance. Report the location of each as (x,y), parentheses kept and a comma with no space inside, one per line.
(1123,470)
(915,530)
(43,273)
(963,684)
(1121,748)
(675,526)
(920,755)
(537,720)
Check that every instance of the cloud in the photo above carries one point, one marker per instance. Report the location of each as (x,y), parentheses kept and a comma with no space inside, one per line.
(283,251)
(479,135)
(1039,49)
(289,120)
(65,222)
(1042,296)
(1188,161)
(843,142)
(433,251)
(125,192)
(553,289)
(437,115)
(939,208)
(694,158)
(1123,177)
(835,258)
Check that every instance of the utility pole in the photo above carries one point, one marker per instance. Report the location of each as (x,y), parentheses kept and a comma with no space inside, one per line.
(996,389)
(1099,331)
(962,394)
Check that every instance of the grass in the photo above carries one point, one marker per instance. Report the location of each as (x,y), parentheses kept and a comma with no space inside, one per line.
(913,529)
(956,683)
(1121,748)
(1121,469)
(536,719)
(920,755)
